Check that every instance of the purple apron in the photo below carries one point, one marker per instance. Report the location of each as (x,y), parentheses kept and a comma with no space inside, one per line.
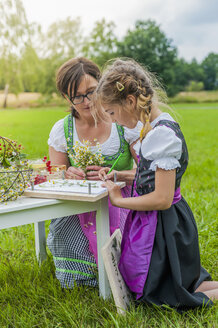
(136,246)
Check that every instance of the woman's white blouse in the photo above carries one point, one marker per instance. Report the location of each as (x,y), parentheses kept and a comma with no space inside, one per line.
(111,146)
(161,146)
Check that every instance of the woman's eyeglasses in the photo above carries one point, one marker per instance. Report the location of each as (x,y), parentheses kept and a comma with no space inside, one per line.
(80,99)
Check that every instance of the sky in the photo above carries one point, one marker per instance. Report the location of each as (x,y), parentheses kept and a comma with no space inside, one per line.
(191,24)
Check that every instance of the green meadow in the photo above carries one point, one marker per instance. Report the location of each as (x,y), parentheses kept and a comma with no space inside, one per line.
(30,295)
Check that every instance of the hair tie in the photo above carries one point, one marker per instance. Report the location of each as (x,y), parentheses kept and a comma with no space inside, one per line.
(142,133)
(120,86)
(147,120)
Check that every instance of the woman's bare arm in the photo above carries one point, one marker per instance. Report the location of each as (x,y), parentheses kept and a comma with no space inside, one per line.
(59,158)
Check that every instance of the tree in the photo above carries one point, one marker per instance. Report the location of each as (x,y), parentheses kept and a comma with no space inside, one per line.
(210,67)
(15,36)
(15,30)
(10,71)
(63,38)
(195,86)
(62,41)
(185,74)
(31,69)
(147,44)
(181,75)
(101,44)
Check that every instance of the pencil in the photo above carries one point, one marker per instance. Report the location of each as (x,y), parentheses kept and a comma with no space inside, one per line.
(115,163)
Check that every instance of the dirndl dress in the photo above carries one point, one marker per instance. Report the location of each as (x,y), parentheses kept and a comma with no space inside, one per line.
(72,239)
(160,258)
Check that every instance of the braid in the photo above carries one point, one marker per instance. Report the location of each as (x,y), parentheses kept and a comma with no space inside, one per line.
(127,77)
(144,105)
(145,118)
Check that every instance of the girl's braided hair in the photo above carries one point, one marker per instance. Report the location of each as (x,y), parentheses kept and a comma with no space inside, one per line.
(125,77)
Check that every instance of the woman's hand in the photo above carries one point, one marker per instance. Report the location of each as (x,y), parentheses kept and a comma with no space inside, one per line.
(93,172)
(75,173)
(113,191)
(103,174)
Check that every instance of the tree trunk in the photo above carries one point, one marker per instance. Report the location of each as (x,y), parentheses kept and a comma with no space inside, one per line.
(5,96)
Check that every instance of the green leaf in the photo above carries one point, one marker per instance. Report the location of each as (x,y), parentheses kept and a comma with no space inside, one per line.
(6,163)
(22,156)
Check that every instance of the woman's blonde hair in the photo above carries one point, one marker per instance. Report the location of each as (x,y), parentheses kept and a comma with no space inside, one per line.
(123,78)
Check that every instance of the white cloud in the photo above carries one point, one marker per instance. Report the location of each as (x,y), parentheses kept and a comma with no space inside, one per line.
(192,24)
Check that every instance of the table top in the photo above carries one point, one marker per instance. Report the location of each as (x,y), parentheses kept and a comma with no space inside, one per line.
(24,203)
(34,199)
(65,196)
(74,196)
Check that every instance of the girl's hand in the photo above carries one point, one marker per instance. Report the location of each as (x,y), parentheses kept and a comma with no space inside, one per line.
(104,176)
(113,191)
(92,172)
(75,173)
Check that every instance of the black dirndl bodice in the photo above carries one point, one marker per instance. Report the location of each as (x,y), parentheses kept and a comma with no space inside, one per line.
(175,270)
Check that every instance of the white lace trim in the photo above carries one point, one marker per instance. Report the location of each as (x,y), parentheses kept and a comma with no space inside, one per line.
(165,163)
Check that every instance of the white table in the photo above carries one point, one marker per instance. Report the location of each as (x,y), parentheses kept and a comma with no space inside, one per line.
(27,210)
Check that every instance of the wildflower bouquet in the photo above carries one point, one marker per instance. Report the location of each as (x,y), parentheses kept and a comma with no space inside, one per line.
(14,171)
(83,155)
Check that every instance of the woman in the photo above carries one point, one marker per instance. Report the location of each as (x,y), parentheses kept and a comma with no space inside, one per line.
(72,240)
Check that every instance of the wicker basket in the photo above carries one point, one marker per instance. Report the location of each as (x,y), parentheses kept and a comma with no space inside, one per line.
(14,173)
(13,182)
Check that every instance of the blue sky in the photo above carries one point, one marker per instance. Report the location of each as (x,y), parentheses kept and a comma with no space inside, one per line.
(191,24)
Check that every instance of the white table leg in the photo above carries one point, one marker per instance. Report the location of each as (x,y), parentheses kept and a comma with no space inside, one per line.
(40,241)
(103,233)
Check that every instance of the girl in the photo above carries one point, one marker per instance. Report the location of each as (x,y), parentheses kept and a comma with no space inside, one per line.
(160,260)
(72,240)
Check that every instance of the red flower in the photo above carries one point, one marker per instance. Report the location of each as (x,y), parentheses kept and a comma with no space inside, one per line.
(39,179)
(48,164)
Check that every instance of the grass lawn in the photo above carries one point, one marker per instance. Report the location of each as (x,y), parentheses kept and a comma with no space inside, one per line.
(30,296)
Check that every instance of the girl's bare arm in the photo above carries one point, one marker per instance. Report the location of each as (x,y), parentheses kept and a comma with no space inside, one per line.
(126,175)
(160,199)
